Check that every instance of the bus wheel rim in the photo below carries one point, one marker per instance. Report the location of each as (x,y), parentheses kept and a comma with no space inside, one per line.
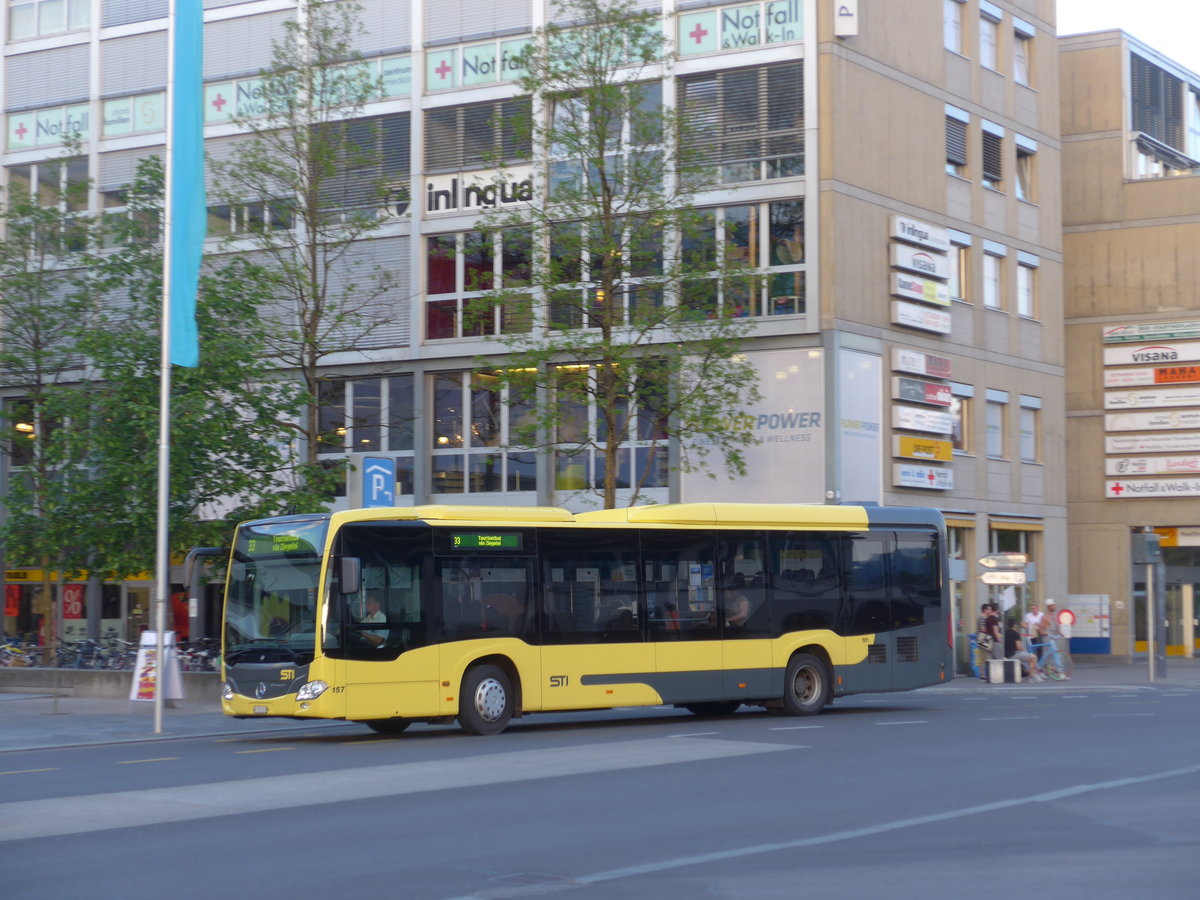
(806,685)
(490,699)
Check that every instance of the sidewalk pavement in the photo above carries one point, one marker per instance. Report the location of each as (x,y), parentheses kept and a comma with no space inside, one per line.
(37,721)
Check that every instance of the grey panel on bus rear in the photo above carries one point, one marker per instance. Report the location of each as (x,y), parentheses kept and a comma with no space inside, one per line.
(903,516)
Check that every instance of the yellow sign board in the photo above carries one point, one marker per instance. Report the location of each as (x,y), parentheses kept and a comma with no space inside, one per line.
(909,446)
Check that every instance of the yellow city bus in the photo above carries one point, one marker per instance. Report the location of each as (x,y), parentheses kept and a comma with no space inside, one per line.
(430,613)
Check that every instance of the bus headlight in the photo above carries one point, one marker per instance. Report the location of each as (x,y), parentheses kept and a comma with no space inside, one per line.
(311,690)
(226,691)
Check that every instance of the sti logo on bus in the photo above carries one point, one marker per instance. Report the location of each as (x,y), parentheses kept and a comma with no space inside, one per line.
(559,680)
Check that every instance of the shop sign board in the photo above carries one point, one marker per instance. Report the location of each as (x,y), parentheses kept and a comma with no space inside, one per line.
(915,362)
(929,477)
(913,288)
(910,446)
(924,318)
(1152,399)
(1169,420)
(1141,354)
(1152,465)
(1151,331)
(911,418)
(1125,444)
(914,231)
(913,390)
(1122,489)
(923,262)
(1117,378)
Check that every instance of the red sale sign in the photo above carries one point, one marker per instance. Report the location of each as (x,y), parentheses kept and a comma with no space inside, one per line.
(72,601)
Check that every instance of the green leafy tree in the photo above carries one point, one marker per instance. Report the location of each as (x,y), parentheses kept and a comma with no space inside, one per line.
(618,311)
(315,171)
(39,317)
(230,450)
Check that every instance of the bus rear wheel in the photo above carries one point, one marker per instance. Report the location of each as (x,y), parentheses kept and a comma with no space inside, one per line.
(388,726)
(485,705)
(806,685)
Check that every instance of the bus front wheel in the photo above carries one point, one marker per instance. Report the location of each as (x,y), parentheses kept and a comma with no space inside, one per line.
(806,686)
(485,705)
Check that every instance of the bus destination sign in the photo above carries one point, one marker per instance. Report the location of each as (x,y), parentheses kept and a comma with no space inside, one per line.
(480,541)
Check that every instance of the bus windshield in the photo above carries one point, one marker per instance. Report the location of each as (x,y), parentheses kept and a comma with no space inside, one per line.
(271,603)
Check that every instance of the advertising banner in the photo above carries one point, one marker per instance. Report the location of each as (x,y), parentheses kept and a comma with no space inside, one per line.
(147,671)
(1152,399)
(787,465)
(860,395)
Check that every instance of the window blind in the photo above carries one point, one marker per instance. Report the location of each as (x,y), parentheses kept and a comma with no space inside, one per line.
(476,135)
(744,114)
(956,142)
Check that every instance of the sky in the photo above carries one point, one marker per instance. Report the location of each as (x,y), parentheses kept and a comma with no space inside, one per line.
(1172,27)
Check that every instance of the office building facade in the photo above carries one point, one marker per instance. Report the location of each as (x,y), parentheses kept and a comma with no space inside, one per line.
(889,172)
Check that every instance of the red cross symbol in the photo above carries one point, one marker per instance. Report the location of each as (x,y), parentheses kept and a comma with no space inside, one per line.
(932,476)
(22,131)
(443,70)
(1118,488)
(219,102)
(699,34)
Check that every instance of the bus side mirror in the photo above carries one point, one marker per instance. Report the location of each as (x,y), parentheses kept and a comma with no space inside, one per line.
(350,574)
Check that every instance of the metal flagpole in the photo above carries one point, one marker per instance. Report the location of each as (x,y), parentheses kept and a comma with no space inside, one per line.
(162,567)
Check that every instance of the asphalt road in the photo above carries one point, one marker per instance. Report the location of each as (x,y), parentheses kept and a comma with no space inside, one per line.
(1086,793)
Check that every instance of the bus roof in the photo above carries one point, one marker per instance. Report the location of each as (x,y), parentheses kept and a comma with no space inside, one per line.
(728,515)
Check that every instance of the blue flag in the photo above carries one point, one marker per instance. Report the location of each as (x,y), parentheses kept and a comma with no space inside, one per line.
(187,215)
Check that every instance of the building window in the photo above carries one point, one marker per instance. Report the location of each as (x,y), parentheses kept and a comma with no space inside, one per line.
(961,398)
(992,280)
(1023,52)
(989,35)
(1028,428)
(993,156)
(459,271)
(1026,182)
(37,17)
(1027,266)
(746,124)
(959,259)
(249,218)
(56,184)
(370,415)
(474,423)
(372,170)
(1193,123)
(582,434)
(756,252)
(476,136)
(952,25)
(1156,102)
(996,440)
(956,139)
(631,145)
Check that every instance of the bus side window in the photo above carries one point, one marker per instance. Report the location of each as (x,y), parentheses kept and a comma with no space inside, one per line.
(681,585)
(867,583)
(591,587)
(743,585)
(916,591)
(806,581)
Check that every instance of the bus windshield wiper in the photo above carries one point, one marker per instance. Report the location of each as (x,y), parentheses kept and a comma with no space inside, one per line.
(276,648)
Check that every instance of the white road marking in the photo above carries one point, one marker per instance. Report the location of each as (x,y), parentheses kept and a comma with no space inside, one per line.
(130,809)
(667,865)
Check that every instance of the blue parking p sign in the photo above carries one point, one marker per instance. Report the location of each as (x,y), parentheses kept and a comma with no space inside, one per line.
(379,481)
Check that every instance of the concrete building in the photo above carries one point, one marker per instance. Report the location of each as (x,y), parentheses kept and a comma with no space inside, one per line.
(892,169)
(1131,204)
